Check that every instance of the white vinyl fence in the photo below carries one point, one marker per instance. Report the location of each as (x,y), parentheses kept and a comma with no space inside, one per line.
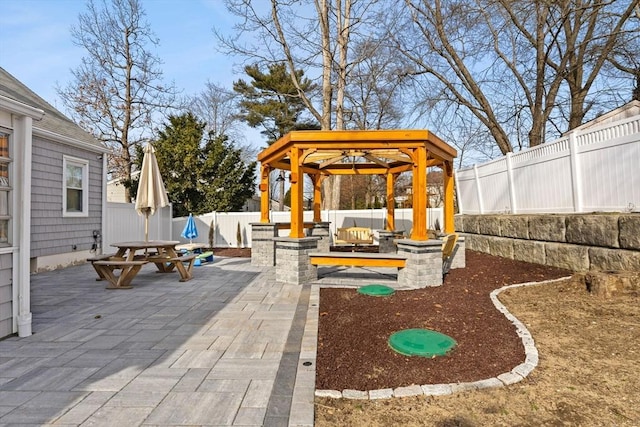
(124,224)
(226,225)
(592,170)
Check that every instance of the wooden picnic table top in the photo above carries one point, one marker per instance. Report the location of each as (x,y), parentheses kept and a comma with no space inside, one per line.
(146,244)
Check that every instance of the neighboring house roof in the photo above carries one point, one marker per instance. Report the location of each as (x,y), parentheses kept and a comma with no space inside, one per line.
(629,109)
(53,121)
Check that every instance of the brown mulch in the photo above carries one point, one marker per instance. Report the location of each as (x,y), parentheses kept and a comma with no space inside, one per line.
(232,252)
(353,329)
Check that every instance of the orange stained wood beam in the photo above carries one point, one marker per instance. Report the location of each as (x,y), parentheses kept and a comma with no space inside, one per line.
(447,172)
(420,195)
(264,193)
(297,186)
(317,196)
(391,203)
(356,262)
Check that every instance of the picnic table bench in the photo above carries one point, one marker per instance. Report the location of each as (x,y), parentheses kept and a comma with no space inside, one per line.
(106,267)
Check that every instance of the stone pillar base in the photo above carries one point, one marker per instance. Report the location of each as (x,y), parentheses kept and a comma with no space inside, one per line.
(424,263)
(386,239)
(321,230)
(263,252)
(292,260)
(458,258)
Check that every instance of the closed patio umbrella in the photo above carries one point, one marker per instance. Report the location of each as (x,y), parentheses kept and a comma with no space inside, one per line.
(151,192)
(190,230)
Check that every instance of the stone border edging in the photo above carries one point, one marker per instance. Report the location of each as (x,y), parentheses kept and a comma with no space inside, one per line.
(513,376)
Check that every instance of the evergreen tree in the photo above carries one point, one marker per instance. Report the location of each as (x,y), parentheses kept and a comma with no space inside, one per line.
(271,101)
(201,175)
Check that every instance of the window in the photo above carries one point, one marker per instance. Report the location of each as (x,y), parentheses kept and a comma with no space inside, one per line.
(5,189)
(75,191)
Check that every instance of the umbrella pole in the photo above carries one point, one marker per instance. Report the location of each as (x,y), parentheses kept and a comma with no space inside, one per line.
(146,227)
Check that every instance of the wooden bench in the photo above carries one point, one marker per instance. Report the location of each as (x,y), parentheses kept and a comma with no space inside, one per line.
(102,257)
(354,236)
(358,259)
(106,267)
(448,245)
(186,272)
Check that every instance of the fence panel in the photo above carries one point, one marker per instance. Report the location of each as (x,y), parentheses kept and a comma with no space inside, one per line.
(123,224)
(590,170)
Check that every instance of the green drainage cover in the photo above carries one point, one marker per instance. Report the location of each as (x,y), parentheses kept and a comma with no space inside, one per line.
(421,342)
(376,290)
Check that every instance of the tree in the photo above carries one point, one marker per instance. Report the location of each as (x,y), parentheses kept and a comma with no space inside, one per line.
(514,66)
(201,175)
(218,108)
(118,88)
(312,36)
(271,101)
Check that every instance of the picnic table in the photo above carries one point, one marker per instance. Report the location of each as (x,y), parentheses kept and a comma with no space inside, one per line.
(128,259)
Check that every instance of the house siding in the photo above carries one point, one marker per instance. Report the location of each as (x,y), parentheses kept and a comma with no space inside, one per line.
(6,295)
(51,233)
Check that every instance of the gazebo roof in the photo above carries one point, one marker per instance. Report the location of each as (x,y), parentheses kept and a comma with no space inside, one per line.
(356,152)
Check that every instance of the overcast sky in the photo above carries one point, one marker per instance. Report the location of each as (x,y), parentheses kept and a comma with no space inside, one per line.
(36,45)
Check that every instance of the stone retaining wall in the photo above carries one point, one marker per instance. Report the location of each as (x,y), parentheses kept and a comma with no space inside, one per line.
(580,242)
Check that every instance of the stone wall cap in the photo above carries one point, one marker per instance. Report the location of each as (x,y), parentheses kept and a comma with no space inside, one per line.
(418,243)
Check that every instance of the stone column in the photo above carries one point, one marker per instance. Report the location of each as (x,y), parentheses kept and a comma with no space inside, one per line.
(292,260)
(321,230)
(424,263)
(386,239)
(262,244)
(458,259)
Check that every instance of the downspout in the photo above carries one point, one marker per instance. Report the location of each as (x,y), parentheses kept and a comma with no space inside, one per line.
(103,223)
(23,142)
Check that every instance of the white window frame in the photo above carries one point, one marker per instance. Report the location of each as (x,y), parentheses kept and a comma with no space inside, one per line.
(7,188)
(84,164)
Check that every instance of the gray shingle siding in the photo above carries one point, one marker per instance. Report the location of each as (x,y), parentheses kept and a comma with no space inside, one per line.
(6,296)
(51,233)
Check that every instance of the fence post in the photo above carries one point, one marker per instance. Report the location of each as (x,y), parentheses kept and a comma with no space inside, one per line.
(478,190)
(576,179)
(512,187)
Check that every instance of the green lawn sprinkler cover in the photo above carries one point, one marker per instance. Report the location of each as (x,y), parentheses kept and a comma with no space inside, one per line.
(421,342)
(376,290)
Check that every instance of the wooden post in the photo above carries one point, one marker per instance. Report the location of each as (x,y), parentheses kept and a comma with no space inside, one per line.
(264,193)
(391,202)
(447,171)
(317,196)
(297,200)
(420,194)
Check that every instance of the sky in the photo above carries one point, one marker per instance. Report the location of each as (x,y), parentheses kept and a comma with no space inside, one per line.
(36,45)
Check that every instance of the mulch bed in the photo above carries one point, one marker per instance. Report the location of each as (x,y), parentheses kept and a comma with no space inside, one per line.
(353,329)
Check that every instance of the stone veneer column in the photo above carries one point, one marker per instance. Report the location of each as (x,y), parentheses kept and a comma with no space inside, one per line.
(386,239)
(424,263)
(262,244)
(292,260)
(459,259)
(321,229)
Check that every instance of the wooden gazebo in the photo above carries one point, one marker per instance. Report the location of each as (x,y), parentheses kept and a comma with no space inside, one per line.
(371,152)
